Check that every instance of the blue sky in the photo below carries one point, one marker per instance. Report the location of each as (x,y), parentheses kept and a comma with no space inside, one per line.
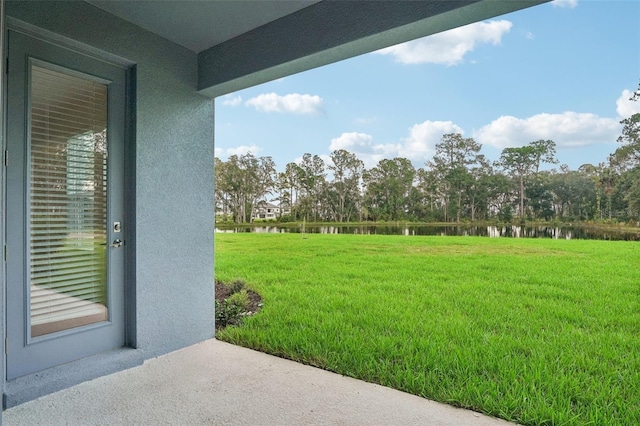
(562,70)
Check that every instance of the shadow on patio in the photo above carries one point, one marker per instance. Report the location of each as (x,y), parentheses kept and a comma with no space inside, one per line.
(218,383)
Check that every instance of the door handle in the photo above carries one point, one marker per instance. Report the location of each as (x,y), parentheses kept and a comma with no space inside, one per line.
(117,243)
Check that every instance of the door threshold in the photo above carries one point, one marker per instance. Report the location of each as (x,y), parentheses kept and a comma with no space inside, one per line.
(35,385)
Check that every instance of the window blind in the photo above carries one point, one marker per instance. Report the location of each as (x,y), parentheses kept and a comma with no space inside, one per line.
(67,201)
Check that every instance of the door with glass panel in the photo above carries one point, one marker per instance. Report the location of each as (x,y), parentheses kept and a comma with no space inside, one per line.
(65,230)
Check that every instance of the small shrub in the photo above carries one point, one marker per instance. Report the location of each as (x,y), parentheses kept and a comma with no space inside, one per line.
(236,286)
(227,314)
(233,303)
(239,299)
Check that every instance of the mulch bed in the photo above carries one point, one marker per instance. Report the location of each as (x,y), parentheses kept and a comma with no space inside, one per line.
(223,292)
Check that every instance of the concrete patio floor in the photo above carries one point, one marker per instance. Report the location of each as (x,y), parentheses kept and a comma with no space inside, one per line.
(215,383)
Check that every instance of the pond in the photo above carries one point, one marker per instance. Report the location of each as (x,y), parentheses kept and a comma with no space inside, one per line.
(509,231)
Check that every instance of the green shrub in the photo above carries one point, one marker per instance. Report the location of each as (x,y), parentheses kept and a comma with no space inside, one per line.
(231,310)
(240,300)
(236,286)
(227,314)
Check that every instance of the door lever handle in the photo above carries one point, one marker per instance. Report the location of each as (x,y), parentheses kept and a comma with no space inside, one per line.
(117,243)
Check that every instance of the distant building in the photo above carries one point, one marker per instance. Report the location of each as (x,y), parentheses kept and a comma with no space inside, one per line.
(266,211)
(223,208)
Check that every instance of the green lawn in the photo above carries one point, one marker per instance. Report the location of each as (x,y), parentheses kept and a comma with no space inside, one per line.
(531,330)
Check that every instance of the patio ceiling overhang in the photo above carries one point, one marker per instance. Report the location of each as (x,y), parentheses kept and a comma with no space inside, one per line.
(242,43)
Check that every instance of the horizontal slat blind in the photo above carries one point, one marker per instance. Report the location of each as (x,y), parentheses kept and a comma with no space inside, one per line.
(68,201)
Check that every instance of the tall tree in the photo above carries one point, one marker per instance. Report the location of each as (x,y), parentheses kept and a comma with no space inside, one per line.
(347,173)
(243,181)
(259,180)
(545,152)
(479,186)
(289,178)
(629,152)
(451,165)
(388,187)
(427,187)
(523,161)
(539,195)
(573,194)
(228,185)
(222,203)
(629,188)
(285,197)
(626,159)
(499,190)
(591,172)
(311,177)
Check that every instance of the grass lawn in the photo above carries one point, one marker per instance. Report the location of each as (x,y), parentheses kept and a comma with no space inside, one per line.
(535,331)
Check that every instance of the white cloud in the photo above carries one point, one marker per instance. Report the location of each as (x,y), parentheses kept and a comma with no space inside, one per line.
(566,4)
(417,147)
(449,47)
(420,145)
(293,103)
(224,153)
(231,100)
(568,130)
(625,107)
(362,145)
(351,140)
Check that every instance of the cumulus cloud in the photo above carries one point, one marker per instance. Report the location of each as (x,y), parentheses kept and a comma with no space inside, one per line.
(293,103)
(449,47)
(566,4)
(224,153)
(568,130)
(351,140)
(625,107)
(417,147)
(231,100)
(420,145)
(363,146)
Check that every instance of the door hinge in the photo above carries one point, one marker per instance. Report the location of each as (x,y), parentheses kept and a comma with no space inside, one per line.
(6,158)
(6,345)
(6,66)
(5,253)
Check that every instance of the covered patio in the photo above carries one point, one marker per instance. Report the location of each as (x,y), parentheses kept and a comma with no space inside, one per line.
(160,65)
(216,383)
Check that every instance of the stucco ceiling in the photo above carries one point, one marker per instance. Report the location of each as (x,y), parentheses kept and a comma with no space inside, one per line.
(200,24)
(241,43)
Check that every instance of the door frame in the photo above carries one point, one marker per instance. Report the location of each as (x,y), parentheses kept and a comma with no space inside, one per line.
(128,187)
(3,308)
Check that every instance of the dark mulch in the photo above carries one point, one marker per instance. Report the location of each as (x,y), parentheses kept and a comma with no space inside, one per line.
(223,292)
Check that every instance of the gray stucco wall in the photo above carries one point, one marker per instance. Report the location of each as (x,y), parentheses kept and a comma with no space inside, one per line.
(170,174)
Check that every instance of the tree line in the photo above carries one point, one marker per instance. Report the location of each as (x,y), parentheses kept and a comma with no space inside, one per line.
(457,184)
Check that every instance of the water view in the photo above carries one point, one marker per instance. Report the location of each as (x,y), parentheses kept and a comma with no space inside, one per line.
(510,231)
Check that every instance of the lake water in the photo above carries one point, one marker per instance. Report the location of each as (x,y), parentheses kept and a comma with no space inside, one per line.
(511,231)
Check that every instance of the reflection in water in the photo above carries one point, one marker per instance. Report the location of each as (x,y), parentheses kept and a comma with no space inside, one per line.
(537,232)
(509,231)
